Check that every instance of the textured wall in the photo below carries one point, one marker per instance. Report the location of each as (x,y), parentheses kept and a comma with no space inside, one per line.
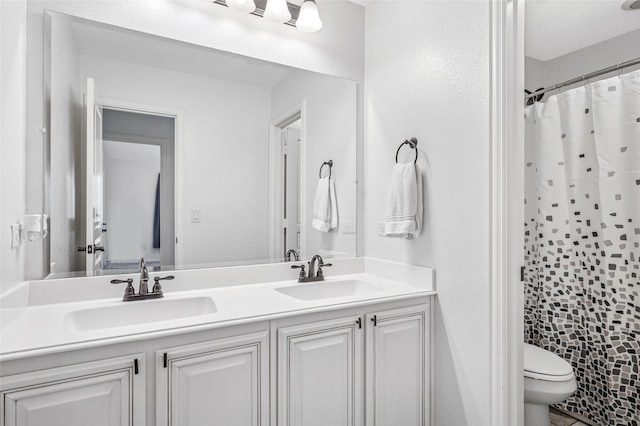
(427,75)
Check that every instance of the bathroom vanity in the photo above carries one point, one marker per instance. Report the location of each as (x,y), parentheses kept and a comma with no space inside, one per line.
(229,346)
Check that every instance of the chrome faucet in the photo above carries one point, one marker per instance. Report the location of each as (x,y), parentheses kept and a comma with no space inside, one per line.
(290,252)
(143,291)
(315,270)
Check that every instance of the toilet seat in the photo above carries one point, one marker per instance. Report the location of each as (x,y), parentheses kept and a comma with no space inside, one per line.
(544,365)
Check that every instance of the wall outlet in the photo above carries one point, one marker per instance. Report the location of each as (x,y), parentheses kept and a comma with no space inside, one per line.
(381,229)
(16,233)
(348,227)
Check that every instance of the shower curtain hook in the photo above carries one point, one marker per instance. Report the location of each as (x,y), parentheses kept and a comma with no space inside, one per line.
(619,70)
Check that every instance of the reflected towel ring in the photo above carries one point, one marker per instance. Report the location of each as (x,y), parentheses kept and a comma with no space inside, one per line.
(413,143)
(326,163)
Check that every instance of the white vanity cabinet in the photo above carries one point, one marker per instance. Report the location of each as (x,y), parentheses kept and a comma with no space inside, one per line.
(362,363)
(103,393)
(220,382)
(320,373)
(397,367)
(328,371)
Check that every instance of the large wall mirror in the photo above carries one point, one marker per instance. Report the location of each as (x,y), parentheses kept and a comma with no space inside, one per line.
(188,156)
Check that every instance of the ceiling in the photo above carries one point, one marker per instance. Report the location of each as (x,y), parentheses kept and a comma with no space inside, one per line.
(101,40)
(576,23)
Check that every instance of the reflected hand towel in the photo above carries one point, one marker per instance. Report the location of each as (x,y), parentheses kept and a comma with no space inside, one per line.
(325,209)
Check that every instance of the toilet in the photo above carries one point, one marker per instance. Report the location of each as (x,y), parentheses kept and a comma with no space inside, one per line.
(548,379)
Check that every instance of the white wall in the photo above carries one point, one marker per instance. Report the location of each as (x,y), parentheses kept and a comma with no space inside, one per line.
(327,100)
(224,156)
(601,55)
(12,137)
(427,76)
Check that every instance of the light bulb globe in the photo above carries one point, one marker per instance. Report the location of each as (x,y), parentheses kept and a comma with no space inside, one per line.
(309,18)
(277,11)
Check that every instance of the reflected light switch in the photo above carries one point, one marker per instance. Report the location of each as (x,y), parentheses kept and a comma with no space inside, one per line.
(348,227)
(195,215)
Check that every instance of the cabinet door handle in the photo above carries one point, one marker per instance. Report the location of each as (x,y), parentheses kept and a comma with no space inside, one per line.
(165,360)
(374,320)
(359,322)
(135,366)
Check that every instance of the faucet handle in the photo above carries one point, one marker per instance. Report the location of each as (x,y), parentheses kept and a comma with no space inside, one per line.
(156,283)
(322,265)
(129,290)
(168,277)
(303,275)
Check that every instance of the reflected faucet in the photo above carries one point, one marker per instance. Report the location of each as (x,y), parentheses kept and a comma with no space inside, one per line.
(287,257)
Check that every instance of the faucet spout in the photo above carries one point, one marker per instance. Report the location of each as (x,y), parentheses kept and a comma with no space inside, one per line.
(144,277)
(314,266)
(291,252)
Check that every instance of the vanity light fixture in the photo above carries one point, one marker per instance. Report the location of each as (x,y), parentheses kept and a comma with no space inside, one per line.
(277,11)
(309,18)
(306,17)
(246,6)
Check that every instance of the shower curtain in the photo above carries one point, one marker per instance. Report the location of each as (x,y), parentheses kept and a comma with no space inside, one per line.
(582,242)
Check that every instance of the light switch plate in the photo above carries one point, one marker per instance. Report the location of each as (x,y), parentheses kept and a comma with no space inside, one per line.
(348,227)
(16,231)
(195,215)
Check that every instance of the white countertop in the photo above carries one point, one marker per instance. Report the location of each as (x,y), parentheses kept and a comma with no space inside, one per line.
(41,326)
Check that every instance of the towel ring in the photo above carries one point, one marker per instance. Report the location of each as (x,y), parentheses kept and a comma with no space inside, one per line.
(413,143)
(326,163)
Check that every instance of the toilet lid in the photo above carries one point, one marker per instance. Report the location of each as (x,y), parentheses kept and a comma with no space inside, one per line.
(545,365)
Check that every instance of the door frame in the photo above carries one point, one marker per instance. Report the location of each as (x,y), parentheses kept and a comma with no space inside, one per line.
(163,144)
(506,212)
(179,160)
(276,209)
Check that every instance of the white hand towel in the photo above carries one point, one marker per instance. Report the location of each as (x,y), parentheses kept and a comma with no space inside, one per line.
(325,208)
(404,202)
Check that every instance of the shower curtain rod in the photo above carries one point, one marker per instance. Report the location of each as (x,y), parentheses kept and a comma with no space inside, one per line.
(585,77)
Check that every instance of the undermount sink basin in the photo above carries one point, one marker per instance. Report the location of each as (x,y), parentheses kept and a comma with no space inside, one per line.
(330,290)
(138,312)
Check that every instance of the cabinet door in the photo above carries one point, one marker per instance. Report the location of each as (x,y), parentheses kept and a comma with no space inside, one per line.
(103,393)
(397,360)
(320,373)
(219,383)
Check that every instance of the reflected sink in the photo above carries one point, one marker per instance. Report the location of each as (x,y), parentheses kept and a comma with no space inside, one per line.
(330,290)
(138,312)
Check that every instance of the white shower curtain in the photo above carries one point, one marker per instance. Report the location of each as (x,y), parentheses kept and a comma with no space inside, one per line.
(582,242)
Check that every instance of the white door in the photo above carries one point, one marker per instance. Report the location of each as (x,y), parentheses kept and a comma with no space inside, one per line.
(320,373)
(103,393)
(94,186)
(219,383)
(396,362)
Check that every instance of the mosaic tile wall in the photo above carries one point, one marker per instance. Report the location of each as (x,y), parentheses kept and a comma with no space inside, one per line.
(582,242)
